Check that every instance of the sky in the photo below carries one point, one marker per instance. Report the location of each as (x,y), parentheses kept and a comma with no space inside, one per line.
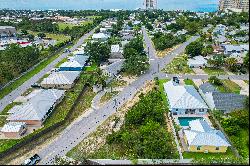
(106,4)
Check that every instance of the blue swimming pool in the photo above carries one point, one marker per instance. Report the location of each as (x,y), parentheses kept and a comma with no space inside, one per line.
(184,121)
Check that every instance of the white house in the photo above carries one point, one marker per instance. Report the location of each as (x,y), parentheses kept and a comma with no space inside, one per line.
(202,138)
(61,79)
(197,62)
(184,99)
(100,36)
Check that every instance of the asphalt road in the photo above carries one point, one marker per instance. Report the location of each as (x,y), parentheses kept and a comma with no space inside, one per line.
(81,128)
(26,85)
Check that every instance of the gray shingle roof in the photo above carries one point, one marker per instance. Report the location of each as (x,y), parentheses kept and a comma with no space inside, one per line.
(207,87)
(224,101)
(228,101)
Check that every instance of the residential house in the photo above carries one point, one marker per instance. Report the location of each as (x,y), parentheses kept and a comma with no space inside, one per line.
(197,62)
(202,138)
(216,100)
(100,37)
(14,129)
(7,31)
(76,63)
(61,80)
(184,99)
(113,69)
(116,52)
(36,110)
(229,49)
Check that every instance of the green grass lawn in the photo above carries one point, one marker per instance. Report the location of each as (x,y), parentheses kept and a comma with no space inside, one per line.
(108,95)
(2,120)
(229,87)
(161,89)
(197,155)
(93,17)
(178,66)
(61,62)
(58,37)
(116,83)
(8,107)
(86,22)
(190,82)
(91,68)
(63,25)
(214,71)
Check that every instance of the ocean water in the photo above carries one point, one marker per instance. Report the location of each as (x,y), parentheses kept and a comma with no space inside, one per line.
(192,5)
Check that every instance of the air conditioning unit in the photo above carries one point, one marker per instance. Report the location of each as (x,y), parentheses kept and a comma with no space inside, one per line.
(206,151)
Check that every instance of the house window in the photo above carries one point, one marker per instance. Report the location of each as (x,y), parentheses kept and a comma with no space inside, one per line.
(198,147)
(201,110)
(217,148)
(176,110)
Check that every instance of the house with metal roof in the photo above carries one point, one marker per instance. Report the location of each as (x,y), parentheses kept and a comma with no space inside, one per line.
(216,100)
(37,109)
(184,99)
(197,62)
(14,129)
(60,80)
(200,137)
(100,36)
(76,63)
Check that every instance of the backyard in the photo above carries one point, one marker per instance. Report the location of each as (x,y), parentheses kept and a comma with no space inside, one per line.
(228,86)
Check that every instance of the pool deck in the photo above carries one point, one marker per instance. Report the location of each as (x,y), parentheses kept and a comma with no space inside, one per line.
(205,116)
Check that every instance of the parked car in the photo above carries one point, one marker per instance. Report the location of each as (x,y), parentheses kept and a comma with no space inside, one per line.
(35,85)
(33,160)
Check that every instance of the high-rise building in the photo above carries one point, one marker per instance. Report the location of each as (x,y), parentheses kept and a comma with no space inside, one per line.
(150,4)
(235,5)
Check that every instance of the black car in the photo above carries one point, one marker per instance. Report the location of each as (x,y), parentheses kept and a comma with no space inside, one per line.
(33,160)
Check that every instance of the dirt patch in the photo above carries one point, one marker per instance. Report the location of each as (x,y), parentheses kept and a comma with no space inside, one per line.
(163,53)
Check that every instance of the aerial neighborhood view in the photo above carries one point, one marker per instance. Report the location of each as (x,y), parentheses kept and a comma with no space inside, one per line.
(124,82)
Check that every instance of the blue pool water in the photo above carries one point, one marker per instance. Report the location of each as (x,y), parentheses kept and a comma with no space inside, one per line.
(184,121)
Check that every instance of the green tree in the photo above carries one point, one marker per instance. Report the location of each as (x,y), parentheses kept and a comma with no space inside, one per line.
(214,80)
(41,35)
(98,51)
(194,48)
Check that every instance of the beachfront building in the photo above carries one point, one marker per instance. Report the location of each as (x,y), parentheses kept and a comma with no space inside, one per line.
(200,137)
(60,80)
(35,111)
(184,99)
